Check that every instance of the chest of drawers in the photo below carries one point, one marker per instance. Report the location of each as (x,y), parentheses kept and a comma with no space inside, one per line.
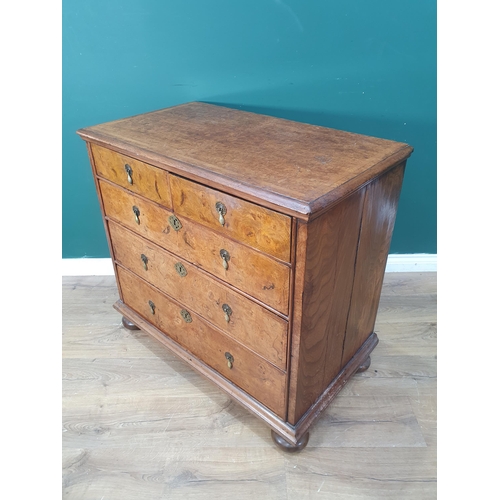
(252,247)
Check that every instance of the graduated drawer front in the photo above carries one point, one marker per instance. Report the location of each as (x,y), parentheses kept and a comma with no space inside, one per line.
(253,272)
(251,373)
(148,181)
(256,226)
(249,323)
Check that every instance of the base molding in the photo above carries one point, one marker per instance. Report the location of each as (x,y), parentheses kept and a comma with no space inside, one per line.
(396,263)
(291,434)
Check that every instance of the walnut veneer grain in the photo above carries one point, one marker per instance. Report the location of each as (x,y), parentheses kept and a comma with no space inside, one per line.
(256,226)
(143,179)
(252,271)
(253,325)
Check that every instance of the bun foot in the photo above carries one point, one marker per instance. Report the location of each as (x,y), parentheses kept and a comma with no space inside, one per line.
(128,324)
(286,446)
(365,365)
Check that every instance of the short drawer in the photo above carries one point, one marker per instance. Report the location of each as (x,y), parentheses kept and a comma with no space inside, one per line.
(252,224)
(241,318)
(248,270)
(141,178)
(245,369)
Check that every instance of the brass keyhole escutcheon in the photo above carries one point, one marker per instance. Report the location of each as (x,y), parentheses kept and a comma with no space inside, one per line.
(221,210)
(225,258)
(230,359)
(152,306)
(181,270)
(174,222)
(144,262)
(128,169)
(186,316)
(227,312)
(136,213)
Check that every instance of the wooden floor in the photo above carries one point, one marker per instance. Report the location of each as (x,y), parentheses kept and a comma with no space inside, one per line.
(140,424)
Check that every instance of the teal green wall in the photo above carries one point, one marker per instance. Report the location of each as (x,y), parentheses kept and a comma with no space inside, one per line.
(357,65)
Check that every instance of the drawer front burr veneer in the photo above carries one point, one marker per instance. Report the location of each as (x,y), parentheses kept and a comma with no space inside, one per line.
(251,271)
(254,248)
(238,316)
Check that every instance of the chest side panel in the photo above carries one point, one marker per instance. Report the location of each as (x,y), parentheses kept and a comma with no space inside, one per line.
(379,215)
(326,251)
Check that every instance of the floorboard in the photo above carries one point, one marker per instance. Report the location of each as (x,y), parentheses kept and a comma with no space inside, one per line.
(139,423)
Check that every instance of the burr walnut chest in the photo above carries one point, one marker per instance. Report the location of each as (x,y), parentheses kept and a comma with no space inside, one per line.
(252,247)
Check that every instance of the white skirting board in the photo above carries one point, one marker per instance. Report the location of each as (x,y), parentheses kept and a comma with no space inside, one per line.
(396,263)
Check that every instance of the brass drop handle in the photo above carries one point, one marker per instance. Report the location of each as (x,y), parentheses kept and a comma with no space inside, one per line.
(128,169)
(136,213)
(152,306)
(227,312)
(230,359)
(225,258)
(221,209)
(144,262)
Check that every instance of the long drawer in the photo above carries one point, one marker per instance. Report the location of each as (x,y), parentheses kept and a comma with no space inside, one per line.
(257,274)
(250,372)
(243,319)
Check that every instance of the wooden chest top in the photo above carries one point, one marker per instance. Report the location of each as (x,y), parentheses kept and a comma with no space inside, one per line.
(296,168)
